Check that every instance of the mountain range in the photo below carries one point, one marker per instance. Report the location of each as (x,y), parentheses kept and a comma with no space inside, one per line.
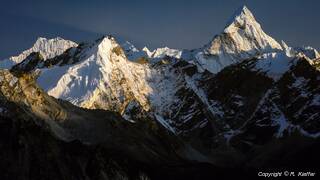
(108,110)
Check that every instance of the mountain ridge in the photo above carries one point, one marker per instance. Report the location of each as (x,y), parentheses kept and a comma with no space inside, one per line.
(226,102)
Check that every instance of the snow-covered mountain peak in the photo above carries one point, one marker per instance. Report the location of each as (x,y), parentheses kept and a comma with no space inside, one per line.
(165,51)
(242,38)
(100,49)
(106,45)
(240,17)
(48,48)
(100,77)
(244,34)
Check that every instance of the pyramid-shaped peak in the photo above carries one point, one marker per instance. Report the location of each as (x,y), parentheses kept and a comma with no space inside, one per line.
(105,42)
(245,11)
(103,39)
(241,18)
(242,12)
(105,46)
(108,39)
(243,37)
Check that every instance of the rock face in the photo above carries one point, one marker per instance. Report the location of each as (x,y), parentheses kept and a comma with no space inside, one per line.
(242,98)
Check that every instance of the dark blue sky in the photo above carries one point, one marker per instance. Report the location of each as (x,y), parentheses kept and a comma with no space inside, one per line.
(173,23)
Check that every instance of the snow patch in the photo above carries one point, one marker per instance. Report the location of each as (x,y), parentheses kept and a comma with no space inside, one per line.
(212,106)
(274,64)
(164,123)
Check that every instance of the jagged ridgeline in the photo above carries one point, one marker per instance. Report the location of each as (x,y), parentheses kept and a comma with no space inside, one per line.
(107,110)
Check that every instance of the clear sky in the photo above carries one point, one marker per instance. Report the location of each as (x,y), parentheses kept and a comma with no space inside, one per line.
(182,24)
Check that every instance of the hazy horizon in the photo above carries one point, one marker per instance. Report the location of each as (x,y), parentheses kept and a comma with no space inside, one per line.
(176,24)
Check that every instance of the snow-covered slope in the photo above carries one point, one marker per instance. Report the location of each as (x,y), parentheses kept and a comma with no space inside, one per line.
(48,48)
(274,64)
(243,38)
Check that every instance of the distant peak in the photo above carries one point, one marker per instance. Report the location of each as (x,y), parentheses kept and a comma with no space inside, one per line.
(48,48)
(243,37)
